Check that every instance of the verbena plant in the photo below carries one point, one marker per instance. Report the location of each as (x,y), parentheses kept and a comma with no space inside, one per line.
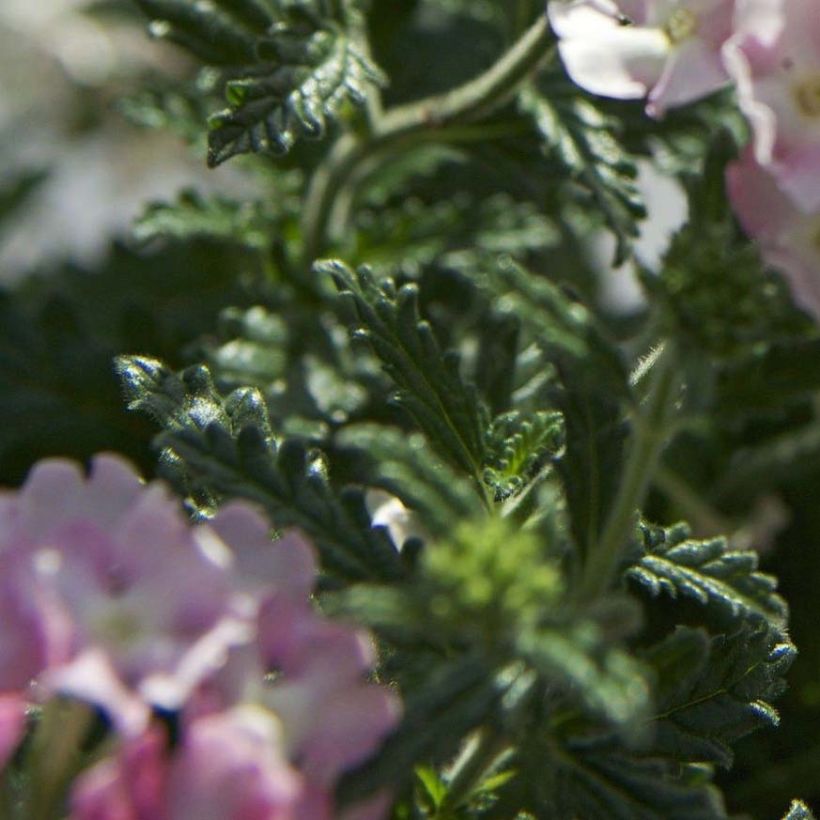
(416,370)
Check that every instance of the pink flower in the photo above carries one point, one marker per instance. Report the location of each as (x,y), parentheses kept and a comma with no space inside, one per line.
(775,59)
(789,239)
(254,749)
(333,718)
(666,50)
(266,736)
(227,767)
(110,594)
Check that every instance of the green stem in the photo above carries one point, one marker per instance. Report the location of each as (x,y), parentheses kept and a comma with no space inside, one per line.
(481,754)
(403,125)
(54,757)
(650,436)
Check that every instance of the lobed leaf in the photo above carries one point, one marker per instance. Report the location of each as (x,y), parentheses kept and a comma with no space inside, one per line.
(583,140)
(711,691)
(709,572)
(225,446)
(431,389)
(288,67)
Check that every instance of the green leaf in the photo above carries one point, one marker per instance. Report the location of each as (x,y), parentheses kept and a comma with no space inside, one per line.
(431,388)
(583,140)
(724,580)
(595,777)
(591,390)
(61,331)
(799,811)
(244,223)
(576,658)
(402,237)
(711,691)
(225,446)
(453,699)
(289,67)
(519,445)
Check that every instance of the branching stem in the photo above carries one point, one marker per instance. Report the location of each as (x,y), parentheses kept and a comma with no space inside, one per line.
(409,123)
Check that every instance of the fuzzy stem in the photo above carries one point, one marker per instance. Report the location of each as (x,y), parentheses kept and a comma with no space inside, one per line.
(405,124)
(651,434)
(480,756)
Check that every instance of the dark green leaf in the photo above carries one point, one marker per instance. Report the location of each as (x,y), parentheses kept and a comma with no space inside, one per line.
(711,691)
(584,141)
(430,386)
(722,579)
(288,67)
(225,447)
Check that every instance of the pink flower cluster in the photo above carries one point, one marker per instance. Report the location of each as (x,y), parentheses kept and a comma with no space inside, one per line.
(109,595)
(675,51)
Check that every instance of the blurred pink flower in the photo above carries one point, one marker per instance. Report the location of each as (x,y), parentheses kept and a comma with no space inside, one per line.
(110,595)
(774,57)
(228,766)
(252,747)
(789,239)
(666,50)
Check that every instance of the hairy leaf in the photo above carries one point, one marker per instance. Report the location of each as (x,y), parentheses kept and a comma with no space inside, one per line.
(722,579)
(193,215)
(583,140)
(430,386)
(597,778)
(519,446)
(288,66)
(225,446)
(404,466)
(711,691)
(591,390)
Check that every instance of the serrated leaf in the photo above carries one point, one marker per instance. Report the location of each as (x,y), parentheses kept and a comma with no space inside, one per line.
(583,140)
(272,113)
(289,67)
(225,446)
(405,236)
(518,447)
(609,682)
(597,778)
(709,572)
(711,691)
(799,811)
(591,390)
(431,388)
(191,215)
(455,697)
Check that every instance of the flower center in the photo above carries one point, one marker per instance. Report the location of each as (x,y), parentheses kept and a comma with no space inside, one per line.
(682,23)
(807,96)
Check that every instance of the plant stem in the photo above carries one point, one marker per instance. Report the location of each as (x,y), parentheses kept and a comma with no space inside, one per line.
(650,436)
(405,124)
(481,754)
(54,757)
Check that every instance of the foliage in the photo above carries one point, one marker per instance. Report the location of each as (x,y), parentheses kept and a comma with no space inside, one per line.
(395,341)
(287,67)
